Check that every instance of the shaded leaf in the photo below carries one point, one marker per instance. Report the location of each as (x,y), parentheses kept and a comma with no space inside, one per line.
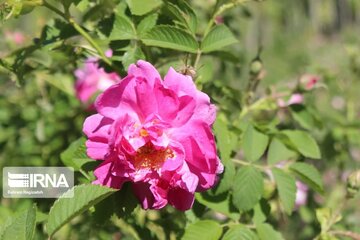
(65,209)
(309,175)
(75,155)
(21,226)
(132,56)
(302,116)
(219,203)
(286,187)
(227,178)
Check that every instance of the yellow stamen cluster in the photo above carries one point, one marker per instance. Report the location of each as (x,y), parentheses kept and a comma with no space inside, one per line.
(149,157)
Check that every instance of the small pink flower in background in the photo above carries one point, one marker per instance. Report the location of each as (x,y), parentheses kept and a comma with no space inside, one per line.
(156,134)
(109,53)
(92,79)
(301,194)
(309,81)
(15,37)
(295,98)
(219,20)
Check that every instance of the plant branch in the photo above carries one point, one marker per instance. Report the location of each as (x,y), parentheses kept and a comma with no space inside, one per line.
(82,32)
(221,10)
(197,59)
(245,163)
(349,234)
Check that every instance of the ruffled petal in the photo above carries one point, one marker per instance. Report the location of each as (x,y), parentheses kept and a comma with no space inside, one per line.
(104,176)
(180,199)
(149,196)
(96,128)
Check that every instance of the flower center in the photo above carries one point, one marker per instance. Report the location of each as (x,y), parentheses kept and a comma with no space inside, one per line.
(149,157)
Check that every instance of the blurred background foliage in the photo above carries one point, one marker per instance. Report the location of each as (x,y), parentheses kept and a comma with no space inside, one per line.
(40,116)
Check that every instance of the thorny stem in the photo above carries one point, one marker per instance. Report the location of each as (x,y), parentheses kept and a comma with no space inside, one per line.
(81,31)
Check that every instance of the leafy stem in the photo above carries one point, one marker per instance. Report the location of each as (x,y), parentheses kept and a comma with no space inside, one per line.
(66,16)
(245,163)
(221,10)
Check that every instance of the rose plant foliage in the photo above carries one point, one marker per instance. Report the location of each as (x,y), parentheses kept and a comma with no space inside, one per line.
(179,121)
(156,134)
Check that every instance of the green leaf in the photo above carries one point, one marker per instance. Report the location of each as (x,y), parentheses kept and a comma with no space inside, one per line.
(259,216)
(62,82)
(147,24)
(239,232)
(309,175)
(254,144)
(75,155)
(302,116)
(65,209)
(267,232)
(286,187)
(279,152)
(123,29)
(219,37)
(227,178)
(21,226)
(132,56)
(41,217)
(304,143)
(248,188)
(141,7)
(326,218)
(171,37)
(225,140)
(220,203)
(184,15)
(205,229)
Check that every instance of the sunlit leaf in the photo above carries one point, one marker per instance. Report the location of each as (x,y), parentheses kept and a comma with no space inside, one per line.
(65,209)
(248,187)
(171,37)
(286,187)
(218,38)
(205,229)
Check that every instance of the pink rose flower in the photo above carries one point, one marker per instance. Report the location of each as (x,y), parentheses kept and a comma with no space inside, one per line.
(15,37)
(295,98)
(219,20)
(92,79)
(301,194)
(155,134)
(309,81)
